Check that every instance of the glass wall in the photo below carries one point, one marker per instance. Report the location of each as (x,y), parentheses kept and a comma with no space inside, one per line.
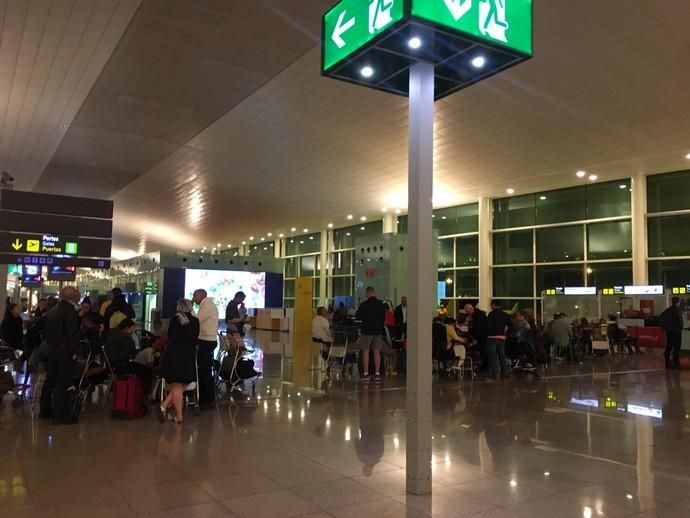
(302,259)
(580,236)
(341,274)
(266,249)
(668,216)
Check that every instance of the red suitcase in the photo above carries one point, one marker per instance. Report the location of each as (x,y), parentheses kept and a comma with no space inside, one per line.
(128,398)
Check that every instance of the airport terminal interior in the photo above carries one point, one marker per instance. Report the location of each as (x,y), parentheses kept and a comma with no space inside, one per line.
(344,258)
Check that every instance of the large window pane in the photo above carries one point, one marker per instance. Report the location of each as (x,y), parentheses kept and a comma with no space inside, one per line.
(608,200)
(289,289)
(262,250)
(549,277)
(467,251)
(457,220)
(402,224)
(467,283)
(448,279)
(560,244)
(291,268)
(307,266)
(516,211)
(344,238)
(611,240)
(608,275)
(669,273)
(513,282)
(342,263)
(446,253)
(667,192)
(561,206)
(666,236)
(513,247)
(343,286)
(306,244)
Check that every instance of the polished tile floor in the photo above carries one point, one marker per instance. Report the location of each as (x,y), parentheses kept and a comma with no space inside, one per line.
(605,438)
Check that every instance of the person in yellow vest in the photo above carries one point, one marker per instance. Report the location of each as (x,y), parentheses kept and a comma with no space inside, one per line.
(106,304)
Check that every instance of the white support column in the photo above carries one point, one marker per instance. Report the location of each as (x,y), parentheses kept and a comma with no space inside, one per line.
(390,225)
(324,268)
(421,272)
(276,248)
(639,229)
(485,252)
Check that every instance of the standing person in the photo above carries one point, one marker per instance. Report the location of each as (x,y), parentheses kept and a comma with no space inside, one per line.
(12,327)
(372,314)
(89,321)
(560,334)
(62,337)
(340,316)
(478,330)
(179,358)
(104,306)
(401,317)
(208,341)
(235,313)
(116,312)
(499,327)
(671,321)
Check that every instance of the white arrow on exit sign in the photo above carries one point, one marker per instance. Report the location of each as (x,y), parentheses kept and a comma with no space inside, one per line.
(341,28)
(458,8)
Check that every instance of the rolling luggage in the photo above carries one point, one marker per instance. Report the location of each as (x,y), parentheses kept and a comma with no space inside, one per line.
(128,398)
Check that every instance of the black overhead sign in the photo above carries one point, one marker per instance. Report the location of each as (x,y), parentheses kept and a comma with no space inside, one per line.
(45,229)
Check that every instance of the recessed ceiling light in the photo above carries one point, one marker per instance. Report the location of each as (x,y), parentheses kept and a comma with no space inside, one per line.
(244,242)
(687,156)
(593,178)
(581,174)
(414,43)
(281,235)
(367,72)
(398,211)
(622,186)
(270,234)
(251,238)
(330,225)
(293,229)
(350,216)
(218,244)
(542,198)
(193,250)
(362,228)
(306,230)
(263,239)
(204,249)
(363,218)
(510,191)
(479,62)
(384,210)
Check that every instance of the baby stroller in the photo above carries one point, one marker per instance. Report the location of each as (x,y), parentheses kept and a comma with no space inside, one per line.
(231,366)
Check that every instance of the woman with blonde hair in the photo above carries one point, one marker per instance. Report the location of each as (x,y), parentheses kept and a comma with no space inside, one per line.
(179,361)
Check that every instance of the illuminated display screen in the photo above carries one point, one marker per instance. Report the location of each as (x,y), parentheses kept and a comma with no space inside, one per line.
(221,286)
(644,290)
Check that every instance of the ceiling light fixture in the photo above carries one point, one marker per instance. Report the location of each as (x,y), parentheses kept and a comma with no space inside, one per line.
(542,198)
(367,72)
(687,156)
(244,242)
(281,235)
(193,251)
(414,43)
(384,210)
(581,174)
(622,186)
(593,178)
(251,238)
(479,62)
(398,211)
(510,191)
(306,230)
(270,234)
(293,229)
(350,216)
(363,218)
(330,225)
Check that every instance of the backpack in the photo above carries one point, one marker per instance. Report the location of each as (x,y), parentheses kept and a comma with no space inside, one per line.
(116,318)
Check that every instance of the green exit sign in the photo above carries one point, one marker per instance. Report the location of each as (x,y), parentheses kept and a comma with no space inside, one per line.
(374,42)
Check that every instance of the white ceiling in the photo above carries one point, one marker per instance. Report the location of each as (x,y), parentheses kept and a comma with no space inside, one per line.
(51,54)
(608,90)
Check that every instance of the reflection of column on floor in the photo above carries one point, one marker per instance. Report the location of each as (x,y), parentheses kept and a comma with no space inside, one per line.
(486,459)
(303,351)
(645,456)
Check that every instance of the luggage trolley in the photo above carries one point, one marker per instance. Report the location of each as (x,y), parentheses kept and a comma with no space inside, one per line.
(337,357)
(230,353)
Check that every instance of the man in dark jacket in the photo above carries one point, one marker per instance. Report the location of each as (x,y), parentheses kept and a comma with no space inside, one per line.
(372,314)
(62,337)
(478,332)
(401,318)
(671,321)
(498,328)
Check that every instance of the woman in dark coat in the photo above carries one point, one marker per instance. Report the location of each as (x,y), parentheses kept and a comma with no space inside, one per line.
(179,362)
(12,328)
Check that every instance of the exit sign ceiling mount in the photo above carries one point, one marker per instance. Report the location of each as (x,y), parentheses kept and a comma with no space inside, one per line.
(375,42)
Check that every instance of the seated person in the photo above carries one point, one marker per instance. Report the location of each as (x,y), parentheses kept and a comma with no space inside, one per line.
(321,331)
(119,345)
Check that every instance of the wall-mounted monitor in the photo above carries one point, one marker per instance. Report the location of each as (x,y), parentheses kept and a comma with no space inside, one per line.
(62,273)
(221,286)
(31,275)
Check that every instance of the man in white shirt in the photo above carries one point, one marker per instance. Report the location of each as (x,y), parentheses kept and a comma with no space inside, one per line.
(208,340)
(321,327)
